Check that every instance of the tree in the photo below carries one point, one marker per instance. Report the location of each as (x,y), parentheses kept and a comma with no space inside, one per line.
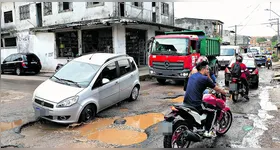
(262,39)
(274,38)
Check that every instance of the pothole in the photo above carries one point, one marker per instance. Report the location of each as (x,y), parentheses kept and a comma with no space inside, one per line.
(118,137)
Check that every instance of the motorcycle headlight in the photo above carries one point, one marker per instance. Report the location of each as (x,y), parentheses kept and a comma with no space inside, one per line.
(68,102)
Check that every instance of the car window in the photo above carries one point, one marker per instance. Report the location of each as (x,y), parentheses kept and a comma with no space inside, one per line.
(8,59)
(133,66)
(31,58)
(124,66)
(17,57)
(110,71)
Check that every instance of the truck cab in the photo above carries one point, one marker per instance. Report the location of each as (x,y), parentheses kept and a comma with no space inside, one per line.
(173,55)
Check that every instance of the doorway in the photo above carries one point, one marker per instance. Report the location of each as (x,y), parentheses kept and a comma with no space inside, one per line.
(39,14)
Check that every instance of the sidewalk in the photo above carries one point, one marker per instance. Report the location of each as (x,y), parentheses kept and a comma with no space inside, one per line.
(143,73)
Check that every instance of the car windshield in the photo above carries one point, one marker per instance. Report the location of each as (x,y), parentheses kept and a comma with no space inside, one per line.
(76,73)
(249,63)
(227,52)
(171,46)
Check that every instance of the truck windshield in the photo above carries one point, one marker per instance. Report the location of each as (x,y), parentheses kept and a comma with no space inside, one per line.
(170,46)
(227,52)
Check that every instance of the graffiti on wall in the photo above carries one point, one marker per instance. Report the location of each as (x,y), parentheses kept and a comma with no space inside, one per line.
(23,42)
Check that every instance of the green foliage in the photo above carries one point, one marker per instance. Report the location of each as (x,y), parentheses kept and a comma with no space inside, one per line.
(274,39)
(262,39)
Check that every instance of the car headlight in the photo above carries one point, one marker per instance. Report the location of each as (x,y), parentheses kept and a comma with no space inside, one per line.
(68,102)
(184,74)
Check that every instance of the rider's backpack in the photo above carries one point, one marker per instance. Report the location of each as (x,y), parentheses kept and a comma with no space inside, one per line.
(236,70)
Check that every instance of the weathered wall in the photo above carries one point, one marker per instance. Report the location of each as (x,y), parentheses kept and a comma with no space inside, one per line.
(44,48)
(80,12)
(143,13)
(169,20)
(6,52)
(196,24)
(27,23)
(226,36)
(7,6)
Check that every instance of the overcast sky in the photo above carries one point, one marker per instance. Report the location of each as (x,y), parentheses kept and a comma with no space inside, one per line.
(233,12)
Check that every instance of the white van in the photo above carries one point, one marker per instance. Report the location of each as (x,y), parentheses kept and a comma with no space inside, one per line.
(227,54)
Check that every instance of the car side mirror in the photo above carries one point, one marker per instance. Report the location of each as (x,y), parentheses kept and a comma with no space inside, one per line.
(105,81)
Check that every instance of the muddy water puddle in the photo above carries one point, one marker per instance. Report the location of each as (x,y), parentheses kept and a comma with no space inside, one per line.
(102,129)
(10,125)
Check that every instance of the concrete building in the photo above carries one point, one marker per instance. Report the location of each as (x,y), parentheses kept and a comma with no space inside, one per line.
(212,28)
(55,31)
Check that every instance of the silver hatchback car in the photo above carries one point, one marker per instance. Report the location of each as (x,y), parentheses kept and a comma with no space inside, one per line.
(86,86)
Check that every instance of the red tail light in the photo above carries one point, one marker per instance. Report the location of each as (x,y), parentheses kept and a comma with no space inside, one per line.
(150,61)
(234,79)
(256,71)
(23,64)
(227,70)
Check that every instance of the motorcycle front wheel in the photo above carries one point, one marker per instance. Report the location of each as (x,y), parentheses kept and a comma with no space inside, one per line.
(234,97)
(224,123)
(176,139)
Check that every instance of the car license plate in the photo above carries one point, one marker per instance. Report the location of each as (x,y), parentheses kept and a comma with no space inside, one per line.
(40,112)
(166,128)
(33,62)
(233,87)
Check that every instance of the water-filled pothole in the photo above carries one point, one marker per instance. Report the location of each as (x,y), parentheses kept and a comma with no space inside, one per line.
(118,137)
(104,131)
(10,125)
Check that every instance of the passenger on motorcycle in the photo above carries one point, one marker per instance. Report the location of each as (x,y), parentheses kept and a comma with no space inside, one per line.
(211,74)
(268,61)
(193,96)
(240,67)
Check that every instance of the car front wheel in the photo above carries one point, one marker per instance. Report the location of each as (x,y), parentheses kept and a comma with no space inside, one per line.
(134,93)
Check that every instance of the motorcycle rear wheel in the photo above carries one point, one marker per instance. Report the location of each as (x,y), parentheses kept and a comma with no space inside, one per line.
(178,129)
(234,97)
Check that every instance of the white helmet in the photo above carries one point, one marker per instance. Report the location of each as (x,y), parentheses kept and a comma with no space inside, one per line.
(201,59)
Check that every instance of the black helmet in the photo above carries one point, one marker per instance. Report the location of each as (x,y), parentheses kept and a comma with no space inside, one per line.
(239,58)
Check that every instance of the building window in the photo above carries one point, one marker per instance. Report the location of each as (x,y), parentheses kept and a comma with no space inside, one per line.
(8,16)
(65,6)
(47,8)
(1,42)
(137,4)
(24,12)
(164,9)
(153,4)
(94,4)
(10,42)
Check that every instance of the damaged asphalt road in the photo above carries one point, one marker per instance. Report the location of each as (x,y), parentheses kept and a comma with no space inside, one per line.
(251,126)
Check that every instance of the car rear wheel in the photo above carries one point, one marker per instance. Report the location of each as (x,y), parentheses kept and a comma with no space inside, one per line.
(18,71)
(134,93)
(37,71)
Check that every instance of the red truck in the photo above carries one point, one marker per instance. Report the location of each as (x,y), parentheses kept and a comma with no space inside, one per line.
(173,55)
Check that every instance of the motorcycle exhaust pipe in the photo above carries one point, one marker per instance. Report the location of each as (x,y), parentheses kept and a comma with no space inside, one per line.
(190,136)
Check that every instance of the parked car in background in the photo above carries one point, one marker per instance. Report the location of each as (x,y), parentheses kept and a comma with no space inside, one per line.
(260,60)
(20,63)
(253,78)
(85,86)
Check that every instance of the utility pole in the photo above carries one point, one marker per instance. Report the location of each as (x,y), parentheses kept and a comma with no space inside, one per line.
(235,36)
(0,29)
(278,30)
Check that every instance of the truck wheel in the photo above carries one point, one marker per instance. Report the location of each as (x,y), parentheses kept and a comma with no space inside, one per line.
(161,81)
(216,70)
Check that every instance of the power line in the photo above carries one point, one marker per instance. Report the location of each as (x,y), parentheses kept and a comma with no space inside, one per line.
(248,21)
(250,14)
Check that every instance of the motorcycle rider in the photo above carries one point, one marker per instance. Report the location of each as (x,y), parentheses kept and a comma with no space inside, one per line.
(193,96)
(211,74)
(244,73)
(268,61)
